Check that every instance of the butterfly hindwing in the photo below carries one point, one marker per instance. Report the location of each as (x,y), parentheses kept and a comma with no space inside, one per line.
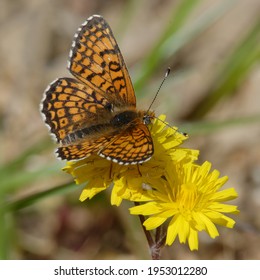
(133,145)
(83,149)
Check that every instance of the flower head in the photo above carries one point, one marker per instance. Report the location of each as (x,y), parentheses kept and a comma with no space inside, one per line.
(98,173)
(191,200)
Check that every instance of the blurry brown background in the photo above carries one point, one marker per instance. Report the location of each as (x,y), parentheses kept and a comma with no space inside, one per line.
(35,41)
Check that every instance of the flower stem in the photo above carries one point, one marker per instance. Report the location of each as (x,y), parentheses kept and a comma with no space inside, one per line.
(146,232)
(161,237)
(154,245)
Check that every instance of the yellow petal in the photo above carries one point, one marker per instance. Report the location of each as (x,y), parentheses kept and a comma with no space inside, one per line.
(154,222)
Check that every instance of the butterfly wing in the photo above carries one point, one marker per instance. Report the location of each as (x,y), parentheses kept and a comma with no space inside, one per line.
(133,145)
(68,106)
(83,149)
(96,60)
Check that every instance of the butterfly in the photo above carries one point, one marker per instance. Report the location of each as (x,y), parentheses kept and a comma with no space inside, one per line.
(95,112)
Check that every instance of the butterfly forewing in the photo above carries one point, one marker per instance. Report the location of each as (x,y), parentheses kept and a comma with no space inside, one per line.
(70,105)
(96,60)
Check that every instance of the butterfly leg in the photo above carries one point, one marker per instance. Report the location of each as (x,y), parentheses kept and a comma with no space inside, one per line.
(138,169)
(110,170)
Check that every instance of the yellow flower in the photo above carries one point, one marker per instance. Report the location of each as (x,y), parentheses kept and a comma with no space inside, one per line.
(191,198)
(98,173)
(172,189)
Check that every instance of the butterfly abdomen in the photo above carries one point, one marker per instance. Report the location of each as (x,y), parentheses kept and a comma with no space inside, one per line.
(117,122)
(77,135)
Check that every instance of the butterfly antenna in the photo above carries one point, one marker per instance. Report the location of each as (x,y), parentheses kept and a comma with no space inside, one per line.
(175,130)
(165,76)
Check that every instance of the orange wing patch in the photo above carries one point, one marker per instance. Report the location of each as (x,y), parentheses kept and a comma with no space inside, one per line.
(96,60)
(83,149)
(133,145)
(70,105)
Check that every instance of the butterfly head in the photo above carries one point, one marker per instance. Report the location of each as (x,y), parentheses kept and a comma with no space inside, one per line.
(147,117)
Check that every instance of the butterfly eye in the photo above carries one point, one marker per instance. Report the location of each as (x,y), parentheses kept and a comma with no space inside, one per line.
(146,119)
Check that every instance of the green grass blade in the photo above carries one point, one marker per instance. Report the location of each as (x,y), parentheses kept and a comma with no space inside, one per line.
(175,37)
(178,18)
(235,70)
(11,182)
(16,164)
(207,127)
(3,235)
(25,202)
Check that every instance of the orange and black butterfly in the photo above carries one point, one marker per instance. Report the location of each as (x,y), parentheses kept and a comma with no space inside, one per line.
(96,112)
